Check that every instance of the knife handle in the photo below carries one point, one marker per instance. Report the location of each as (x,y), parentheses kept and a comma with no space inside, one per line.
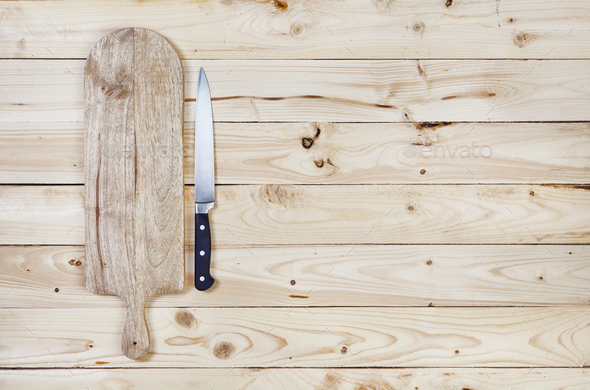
(203,279)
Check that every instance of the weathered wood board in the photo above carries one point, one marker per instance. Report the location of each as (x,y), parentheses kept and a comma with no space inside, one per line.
(134,200)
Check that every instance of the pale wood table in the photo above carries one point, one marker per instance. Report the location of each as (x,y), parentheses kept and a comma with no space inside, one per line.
(347,255)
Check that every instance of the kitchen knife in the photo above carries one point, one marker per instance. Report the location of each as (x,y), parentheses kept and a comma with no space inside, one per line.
(204,183)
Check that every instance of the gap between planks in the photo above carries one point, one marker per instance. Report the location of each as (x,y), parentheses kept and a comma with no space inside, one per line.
(395,368)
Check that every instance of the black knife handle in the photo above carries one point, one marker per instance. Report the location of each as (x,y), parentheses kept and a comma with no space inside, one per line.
(203,279)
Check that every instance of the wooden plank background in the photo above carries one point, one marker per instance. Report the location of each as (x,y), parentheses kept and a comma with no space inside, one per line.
(363,238)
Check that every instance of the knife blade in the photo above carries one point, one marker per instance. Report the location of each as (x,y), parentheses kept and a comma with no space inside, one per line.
(204,183)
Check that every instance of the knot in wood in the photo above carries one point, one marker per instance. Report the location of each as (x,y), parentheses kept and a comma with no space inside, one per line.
(223,350)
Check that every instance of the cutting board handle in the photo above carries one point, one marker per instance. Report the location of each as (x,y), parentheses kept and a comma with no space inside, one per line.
(135,342)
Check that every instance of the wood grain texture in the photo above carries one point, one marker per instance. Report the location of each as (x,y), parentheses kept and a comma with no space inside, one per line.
(299,29)
(384,153)
(380,275)
(36,152)
(417,74)
(332,91)
(405,214)
(358,153)
(133,201)
(336,214)
(303,378)
(302,337)
(39,212)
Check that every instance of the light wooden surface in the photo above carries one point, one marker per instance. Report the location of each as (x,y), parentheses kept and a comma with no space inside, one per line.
(295,29)
(275,214)
(302,378)
(301,336)
(359,153)
(134,228)
(332,91)
(478,276)
(312,275)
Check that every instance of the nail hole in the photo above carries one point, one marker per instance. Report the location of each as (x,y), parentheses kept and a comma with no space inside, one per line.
(343,350)
(134,343)
(532,193)
(429,262)
(293,282)
(56,289)
(456,351)
(422,171)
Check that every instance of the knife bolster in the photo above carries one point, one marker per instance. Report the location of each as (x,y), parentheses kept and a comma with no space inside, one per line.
(203,208)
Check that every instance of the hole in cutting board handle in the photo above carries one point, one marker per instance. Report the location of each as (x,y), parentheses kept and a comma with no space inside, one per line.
(135,341)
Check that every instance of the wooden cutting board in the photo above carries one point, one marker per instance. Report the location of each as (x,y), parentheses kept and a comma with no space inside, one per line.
(133,164)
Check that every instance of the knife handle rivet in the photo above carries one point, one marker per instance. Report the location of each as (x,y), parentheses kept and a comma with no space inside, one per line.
(202,278)
(202,253)
(202,227)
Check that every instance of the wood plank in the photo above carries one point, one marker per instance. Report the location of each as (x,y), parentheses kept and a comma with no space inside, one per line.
(302,337)
(301,378)
(37,152)
(359,153)
(42,212)
(307,29)
(380,275)
(332,91)
(247,215)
